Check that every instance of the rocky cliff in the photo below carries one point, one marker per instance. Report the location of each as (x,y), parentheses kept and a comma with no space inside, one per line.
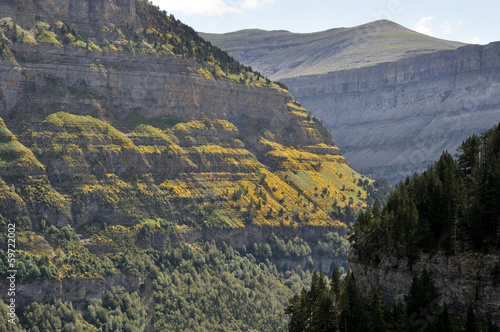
(461,279)
(394,119)
(394,99)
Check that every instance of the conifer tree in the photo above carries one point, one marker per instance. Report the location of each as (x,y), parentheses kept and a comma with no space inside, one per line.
(443,323)
(377,308)
(421,301)
(335,287)
(352,314)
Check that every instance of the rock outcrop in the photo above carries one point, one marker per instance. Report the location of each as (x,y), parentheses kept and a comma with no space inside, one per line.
(463,279)
(72,289)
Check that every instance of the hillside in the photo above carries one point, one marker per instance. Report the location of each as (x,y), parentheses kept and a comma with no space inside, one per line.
(282,55)
(148,172)
(392,108)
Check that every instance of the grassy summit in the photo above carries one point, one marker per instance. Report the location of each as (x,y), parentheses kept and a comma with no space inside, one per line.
(283,54)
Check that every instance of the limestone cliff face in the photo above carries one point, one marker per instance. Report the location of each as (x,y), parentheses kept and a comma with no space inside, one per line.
(395,118)
(74,289)
(467,278)
(393,98)
(108,86)
(91,12)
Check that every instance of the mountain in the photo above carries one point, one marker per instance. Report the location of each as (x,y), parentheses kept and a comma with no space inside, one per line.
(282,54)
(149,174)
(393,98)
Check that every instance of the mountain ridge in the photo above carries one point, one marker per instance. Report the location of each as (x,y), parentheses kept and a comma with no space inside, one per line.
(325,51)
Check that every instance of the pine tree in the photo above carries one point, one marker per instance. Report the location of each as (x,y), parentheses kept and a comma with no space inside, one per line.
(421,301)
(377,311)
(352,317)
(335,287)
(444,324)
(296,312)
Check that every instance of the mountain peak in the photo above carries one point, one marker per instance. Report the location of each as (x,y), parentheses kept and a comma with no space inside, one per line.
(282,55)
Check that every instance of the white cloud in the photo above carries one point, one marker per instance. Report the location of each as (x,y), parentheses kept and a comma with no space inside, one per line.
(422,26)
(446,28)
(474,40)
(210,7)
(459,23)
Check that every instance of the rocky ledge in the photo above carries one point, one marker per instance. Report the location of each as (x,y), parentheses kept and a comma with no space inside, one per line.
(462,279)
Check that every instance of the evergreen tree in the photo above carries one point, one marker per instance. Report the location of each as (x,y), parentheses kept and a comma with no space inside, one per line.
(377,311)
(443,323)
(421,302)
(352,317)
(296,312)
(399,319)
(335,288)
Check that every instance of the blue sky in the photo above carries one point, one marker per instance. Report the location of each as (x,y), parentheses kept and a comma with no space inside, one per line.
(462,20)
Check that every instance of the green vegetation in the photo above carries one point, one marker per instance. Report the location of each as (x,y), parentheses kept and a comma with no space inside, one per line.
(335,305)
(221,289)
(118,196)
(14,154)
(44,35)
(451,207)
(117,217)
(244,193)
(196,286)
(118,310)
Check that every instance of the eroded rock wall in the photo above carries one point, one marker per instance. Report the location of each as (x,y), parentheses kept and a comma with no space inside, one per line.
(463,279)
(394,119)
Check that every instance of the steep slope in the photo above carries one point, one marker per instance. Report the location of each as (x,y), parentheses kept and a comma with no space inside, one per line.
(128,139)
(394,98)
(282,55)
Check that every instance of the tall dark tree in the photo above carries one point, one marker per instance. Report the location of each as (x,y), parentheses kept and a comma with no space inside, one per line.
(352,317)
(471,325)
(422,304)
(335,288)
(443,323)
(298,316)
(377,311)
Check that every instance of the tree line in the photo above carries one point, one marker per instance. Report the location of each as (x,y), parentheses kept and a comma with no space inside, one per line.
(453,206)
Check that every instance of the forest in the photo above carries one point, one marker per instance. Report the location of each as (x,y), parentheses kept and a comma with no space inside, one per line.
(454,206)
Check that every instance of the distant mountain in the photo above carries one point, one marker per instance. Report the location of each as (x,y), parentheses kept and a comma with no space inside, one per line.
(283,54)
(394,98)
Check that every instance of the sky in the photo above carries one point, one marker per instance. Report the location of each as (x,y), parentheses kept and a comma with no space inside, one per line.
(467,21)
